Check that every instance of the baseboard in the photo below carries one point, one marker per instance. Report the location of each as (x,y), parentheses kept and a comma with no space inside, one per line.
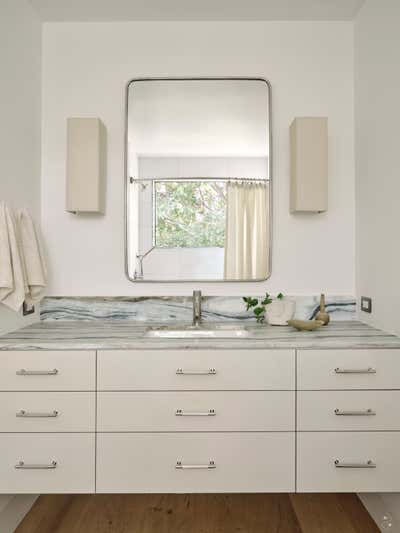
(14,511)
(384,509)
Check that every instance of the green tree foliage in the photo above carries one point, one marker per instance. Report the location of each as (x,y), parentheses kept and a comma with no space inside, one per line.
(190,214)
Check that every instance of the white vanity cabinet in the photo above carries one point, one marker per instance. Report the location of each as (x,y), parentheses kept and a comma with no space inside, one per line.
(196,421)
(348,420)
(47,421)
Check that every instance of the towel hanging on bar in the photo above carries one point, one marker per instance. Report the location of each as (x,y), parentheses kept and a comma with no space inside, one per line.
(23,272)
(32,256)
(12,284)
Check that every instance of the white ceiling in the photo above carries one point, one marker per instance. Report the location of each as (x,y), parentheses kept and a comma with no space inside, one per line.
(120,10)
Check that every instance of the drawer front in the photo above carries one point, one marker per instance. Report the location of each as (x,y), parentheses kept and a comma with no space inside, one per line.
(48,463)
(47,370)
(47,411)
(203,462)
(348,410)
(348,369)
(196,370)
(196,411)
(317,453)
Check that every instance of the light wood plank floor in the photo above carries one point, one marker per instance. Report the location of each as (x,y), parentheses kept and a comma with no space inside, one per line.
(198,513)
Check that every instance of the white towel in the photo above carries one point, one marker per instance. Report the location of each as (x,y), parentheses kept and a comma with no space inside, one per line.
(33,261)
(12,284)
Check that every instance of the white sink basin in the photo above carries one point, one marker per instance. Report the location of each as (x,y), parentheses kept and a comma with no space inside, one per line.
(213,331)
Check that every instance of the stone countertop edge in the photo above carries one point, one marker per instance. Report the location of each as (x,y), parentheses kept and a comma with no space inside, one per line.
(127,335)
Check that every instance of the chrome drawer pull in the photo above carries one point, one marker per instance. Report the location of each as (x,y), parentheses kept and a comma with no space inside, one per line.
(367,412)
(210,466)
(209,372)
(24,372)
(23,466)
(367,464)
(181,412)
(368,370)
(26,414)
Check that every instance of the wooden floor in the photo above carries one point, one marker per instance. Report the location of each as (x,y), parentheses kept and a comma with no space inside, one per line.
(199,513)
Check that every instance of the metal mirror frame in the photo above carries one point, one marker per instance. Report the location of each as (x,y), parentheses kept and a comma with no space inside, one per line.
(127,177)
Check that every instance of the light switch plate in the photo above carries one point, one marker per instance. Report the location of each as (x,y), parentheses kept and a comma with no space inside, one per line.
(366,304)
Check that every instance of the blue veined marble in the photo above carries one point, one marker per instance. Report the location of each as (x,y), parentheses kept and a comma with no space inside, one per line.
(129,335)
(179,309)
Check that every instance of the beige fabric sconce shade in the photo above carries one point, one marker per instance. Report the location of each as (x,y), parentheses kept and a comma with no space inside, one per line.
(86,165)
(309,164)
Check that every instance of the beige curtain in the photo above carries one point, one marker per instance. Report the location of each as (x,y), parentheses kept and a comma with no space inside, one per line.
(247,231)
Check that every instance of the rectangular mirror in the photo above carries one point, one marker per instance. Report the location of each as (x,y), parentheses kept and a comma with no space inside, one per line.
(198,187)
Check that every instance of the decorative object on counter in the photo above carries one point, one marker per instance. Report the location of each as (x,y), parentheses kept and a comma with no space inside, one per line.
(305,325)
(260,307)
(309,165)
(280,310)
(86,165)
(322,314)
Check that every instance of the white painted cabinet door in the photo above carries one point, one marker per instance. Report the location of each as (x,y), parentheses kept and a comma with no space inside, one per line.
(348,462)
(348,369)
(47,463)
(196,370)
(47,411)
(348,410)
(47,370)
(196,411)
(195,462)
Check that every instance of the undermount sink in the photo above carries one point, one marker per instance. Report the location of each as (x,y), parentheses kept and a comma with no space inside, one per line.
(221,331)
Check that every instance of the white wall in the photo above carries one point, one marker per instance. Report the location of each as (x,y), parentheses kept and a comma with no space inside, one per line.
(377,77)
(20,63)
(377,89)
(20,60)
(310,65)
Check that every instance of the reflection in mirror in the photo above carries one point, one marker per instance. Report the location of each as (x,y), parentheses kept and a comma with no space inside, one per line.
(198,193)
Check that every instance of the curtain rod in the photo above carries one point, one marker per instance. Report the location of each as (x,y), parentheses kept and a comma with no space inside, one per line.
(139,180)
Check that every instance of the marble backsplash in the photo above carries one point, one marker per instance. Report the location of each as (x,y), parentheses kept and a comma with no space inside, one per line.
(179,308)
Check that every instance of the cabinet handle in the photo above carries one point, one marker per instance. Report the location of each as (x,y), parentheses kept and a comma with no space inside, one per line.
(23,372)
(26,414)
(366,412)
(209,466)
(367,464)
(21,465)
(181,412)
(368,370)
(208,372)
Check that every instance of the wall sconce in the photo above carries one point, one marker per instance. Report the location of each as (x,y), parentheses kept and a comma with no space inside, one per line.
(309,164)
(86,165)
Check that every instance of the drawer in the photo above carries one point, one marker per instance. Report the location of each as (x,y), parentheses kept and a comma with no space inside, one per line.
(348,410)
(47,411)
(348,369)
(47,370)
(317,453)
(196,370)
(196,411)
(73,470)
(195,462)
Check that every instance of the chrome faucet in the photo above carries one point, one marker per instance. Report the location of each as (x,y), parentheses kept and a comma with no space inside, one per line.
(196,308)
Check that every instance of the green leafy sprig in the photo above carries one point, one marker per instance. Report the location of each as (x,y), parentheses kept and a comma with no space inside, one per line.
(259,307)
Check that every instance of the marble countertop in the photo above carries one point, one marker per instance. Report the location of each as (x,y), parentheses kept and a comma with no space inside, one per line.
(114,334)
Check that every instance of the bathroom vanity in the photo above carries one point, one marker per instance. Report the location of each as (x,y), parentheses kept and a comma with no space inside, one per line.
(99,407)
